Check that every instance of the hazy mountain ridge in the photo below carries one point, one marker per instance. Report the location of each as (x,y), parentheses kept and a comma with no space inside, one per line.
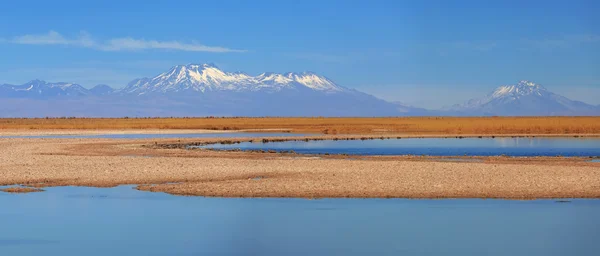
(101,90)
(42,89)
(204,89)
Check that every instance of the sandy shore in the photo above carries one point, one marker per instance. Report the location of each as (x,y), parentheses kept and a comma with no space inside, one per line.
(105,162)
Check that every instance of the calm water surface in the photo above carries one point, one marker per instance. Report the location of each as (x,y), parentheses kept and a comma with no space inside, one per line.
(151,136)
(123,221)
(436,146)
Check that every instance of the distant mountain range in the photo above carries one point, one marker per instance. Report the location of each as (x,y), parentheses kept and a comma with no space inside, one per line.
(204,89)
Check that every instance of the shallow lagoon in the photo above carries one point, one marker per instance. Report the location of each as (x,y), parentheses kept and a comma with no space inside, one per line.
(124,221)
(434,146)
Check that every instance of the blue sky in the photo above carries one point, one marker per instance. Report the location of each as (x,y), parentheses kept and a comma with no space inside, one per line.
(424,53)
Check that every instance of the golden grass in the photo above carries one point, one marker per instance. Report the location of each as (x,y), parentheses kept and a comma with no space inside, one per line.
(408,125)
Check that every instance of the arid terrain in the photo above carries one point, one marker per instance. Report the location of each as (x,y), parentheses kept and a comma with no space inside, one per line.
(160,165)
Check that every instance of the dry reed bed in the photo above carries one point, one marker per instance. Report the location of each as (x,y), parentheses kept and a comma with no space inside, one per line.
(21,190)
(383,125)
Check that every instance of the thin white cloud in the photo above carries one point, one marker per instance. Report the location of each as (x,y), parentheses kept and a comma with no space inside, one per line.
(52,37)
(128,43)
(114,44)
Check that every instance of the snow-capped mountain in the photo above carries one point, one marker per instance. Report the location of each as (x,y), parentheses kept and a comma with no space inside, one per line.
(42,89)
(207,90)
(205,78)
(524,99)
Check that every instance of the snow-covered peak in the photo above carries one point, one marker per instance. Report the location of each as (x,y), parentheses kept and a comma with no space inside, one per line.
(527,83)
(203,73)
(271,77)
(204,65)
(314,81)
(195,77)
(522,88)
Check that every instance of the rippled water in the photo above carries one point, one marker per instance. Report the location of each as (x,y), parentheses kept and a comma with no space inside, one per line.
(151,136)
(435,146)
(122,221)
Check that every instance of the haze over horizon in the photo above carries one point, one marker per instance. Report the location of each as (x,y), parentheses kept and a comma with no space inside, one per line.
(427,54)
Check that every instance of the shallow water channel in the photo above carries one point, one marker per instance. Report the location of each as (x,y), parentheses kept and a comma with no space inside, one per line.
(584,147)
(124,221)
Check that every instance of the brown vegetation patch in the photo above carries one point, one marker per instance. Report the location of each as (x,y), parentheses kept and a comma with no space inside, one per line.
(21,190)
